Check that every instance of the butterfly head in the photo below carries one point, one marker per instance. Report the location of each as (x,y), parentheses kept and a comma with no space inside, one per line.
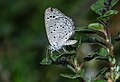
(50,9)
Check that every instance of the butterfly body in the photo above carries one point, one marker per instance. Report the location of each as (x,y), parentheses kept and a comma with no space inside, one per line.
(59,29)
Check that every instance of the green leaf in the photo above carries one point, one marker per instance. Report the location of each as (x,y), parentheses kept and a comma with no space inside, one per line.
(102,71)
(99,81)
(54,56)
(114,2)
(85,31)
(108,15)
(96,26)
(79,74)
(46,61)
(94,39)
(71,76)
(102,52)
(102,6)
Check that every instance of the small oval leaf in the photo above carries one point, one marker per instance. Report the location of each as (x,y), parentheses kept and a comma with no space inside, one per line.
(108,15)
(96,26)
(71,76)
(46,61)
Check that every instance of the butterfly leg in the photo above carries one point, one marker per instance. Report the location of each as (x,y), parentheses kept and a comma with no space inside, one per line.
(64,49)
(58,51)
(51,52)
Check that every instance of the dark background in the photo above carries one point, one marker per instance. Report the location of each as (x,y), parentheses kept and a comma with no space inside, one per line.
(23,39)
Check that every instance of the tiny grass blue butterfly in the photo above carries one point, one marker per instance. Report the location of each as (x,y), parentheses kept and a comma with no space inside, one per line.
(59,29)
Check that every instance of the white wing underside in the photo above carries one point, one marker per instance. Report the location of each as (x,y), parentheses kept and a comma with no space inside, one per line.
(59,28)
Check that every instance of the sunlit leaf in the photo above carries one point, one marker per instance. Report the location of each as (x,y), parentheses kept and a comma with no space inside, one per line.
(71,76)
(102,6)
(108,15)
(102,52)
(114,2)
(96,26)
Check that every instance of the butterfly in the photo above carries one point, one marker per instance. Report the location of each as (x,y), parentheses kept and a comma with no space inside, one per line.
(59,29)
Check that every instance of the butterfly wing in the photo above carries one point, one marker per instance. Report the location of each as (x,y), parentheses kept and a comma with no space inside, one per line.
(67,27)
(59,27)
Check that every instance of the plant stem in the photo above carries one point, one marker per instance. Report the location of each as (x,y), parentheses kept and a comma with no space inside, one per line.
(111,50)
(108,37)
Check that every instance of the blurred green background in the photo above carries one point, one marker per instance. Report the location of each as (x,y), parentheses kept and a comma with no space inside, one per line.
(23,39)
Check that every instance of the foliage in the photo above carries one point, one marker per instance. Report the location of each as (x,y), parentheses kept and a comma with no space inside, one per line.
(91,35)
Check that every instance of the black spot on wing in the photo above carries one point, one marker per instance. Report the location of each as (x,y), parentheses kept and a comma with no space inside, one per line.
(53,16)
(54,37)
